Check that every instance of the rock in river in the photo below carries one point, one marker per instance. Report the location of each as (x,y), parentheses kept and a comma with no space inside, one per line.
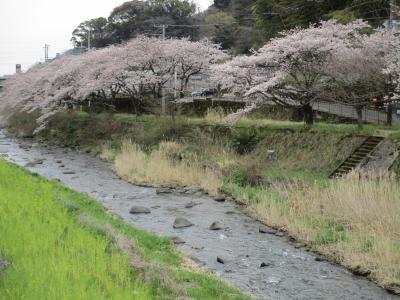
(163,191)
(320,258)
(34,163)
(220,198)
(69,172)
(216,226)
(265,229)
(265,264)
(177,240)
(224,259)
(182,223)
(190,204)
(139,210)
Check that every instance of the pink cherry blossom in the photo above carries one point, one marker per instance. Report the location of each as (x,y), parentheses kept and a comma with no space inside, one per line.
(136,69)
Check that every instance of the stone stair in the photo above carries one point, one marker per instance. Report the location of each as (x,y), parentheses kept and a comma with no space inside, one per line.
(357,157)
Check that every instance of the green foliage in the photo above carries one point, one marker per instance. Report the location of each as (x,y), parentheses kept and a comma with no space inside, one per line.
(237,25)
(136,17)
(278,15)
(334,232)
(239,177)
(22,124)
(98,28)
(251,195)
(222,28)
(344,16)
(244,140)
(368,245)
(248,173)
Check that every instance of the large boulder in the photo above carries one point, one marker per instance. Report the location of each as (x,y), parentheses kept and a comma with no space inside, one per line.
(182,223)
(139,210)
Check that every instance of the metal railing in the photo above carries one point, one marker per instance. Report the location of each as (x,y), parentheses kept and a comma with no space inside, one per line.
(369,114)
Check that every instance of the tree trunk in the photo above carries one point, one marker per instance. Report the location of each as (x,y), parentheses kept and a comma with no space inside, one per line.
(359,117)
(133,102)
(389,120)
(182,88)
(308,114)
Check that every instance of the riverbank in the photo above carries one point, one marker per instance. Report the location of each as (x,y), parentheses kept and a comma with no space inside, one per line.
(352,220)
(278,170)
(68,246)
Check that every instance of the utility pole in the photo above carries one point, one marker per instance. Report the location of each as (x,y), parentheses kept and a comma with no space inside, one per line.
(391,15)
(394,15)
(175,84)
(392,27)
(164,30)
(88,46)
(163,103)
(46,52)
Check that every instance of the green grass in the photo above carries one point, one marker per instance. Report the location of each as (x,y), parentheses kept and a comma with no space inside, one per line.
(368,129)
(300,174)
(251,195)
(62,245)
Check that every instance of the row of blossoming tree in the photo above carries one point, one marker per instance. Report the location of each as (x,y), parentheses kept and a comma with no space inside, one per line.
(349,64)
(136,70)
(326,62)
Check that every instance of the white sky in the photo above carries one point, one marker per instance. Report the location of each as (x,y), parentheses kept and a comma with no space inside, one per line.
(26,25)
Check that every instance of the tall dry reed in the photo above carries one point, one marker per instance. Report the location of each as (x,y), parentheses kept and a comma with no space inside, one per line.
(355,219)
(161,167)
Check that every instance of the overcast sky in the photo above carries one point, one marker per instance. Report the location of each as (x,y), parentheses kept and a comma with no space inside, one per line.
(26,25)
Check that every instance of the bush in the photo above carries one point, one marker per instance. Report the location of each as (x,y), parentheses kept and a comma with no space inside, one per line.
(23,124)
(247,174)
(244,140)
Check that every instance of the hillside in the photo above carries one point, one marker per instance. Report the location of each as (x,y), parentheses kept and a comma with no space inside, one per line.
(238,25)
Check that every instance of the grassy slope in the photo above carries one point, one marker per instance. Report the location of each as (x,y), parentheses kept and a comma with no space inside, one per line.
(64,245)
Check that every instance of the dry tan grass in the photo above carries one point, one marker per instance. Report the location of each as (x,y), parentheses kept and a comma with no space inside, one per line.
(215,116)
(106,152)
(368,207)
(160,168)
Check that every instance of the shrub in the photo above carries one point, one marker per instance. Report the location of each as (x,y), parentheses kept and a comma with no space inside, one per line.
(244,140)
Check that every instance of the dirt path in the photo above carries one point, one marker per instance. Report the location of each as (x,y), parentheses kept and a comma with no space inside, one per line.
(287,273)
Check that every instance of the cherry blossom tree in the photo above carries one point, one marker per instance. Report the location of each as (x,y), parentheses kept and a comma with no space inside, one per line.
(192,58)
(392,71)
(238,75)
(356,72)
(297,62)
(136,70)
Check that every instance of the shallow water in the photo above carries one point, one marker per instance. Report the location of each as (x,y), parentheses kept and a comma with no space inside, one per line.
(290,273)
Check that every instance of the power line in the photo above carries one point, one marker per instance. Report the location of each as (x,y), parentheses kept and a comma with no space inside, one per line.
(363,3)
